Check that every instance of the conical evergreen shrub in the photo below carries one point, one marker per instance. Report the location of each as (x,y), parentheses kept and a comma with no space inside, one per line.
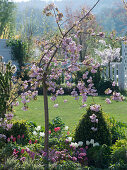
(84,132)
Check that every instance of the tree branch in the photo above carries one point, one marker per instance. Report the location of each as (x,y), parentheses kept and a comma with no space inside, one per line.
(69,31)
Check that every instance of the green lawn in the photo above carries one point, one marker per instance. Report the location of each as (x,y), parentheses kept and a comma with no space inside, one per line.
(70,112)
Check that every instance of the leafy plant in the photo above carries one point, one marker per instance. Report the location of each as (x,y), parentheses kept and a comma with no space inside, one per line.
(118,130)
(56,122)
(19,51)
(99,156)
(6,85)
(20,131)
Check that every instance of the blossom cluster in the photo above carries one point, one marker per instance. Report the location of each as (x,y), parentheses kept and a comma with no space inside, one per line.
(95,108)
(48,12)
(26,97)
(6,123)
(94,120)
(108,54)
(115,95)
(78,155)
(14,139)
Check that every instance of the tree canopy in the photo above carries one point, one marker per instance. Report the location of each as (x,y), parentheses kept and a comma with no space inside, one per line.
(6,17)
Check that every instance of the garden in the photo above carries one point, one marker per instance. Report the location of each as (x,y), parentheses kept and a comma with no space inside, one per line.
(62,110)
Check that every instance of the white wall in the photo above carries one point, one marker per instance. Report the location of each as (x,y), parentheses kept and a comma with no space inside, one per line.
(6,52)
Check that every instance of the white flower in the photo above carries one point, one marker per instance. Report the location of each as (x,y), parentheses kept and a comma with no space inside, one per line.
(92,141)
(69,139)
(66,127)
(42,134)
(102,42)
(87,142)
(38,128)
(96,144)
(80,143)
(34,133)
(74,144)
(94,129)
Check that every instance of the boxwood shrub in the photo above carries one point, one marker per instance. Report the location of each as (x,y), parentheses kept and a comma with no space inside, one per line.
(83,131)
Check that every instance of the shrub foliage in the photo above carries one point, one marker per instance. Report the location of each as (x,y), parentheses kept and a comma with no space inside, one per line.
(84,132)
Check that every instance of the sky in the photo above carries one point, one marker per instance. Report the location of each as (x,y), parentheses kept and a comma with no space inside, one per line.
(28,0)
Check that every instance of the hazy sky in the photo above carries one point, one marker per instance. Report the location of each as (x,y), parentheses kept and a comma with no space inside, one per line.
(28,0)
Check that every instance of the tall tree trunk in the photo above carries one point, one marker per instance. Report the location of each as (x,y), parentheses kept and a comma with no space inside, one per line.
(46,120)
(109,71)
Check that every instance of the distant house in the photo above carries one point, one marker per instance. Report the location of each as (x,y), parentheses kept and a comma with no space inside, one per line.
(5,52)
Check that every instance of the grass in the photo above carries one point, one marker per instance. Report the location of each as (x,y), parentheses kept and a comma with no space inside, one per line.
(70,112)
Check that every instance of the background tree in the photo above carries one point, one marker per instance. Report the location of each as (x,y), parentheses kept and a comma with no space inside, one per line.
(84,29)
(116,19)
(6,18)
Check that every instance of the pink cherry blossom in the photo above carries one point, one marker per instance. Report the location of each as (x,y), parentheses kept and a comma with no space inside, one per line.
(65,100)
(113,83)
(108,91)
(95,108)
(56,105)
(108,101)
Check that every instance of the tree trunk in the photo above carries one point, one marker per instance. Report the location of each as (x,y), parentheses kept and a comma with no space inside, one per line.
(109,70)
(46,121)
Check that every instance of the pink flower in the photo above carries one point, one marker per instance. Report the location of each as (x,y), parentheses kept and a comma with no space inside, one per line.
(14,139)
(113,84)
(93,71)
(8,139)
(27,150)
(22,159)
(68,133)
(108,91)
(35,141)
(24,108)
(56,105)
(82,154)
(57,129)
(23,136)
(65,101)
(74,159)
(95,108)
(30,142)
(11,137)
(49,131)
(18,136)
(117,96)
(93,118)
(85,75)
(15,152)
(17,103)
(86,147)
(84,105)
(44,154)
(9,126)
(108,101)
(22,151)
(53,98)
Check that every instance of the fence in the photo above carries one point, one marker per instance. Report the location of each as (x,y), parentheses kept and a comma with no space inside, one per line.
(113,71)
(117,71)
